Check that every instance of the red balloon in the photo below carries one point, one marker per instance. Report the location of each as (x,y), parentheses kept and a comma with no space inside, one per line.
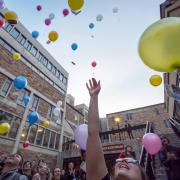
(26,144)
(1,23)
(93,64)
(39,7)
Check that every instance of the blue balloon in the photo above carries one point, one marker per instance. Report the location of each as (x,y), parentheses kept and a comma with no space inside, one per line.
(20,82)
(74,46)
(26,99)
(33,117)
(91,25)
(51,16)
(35,34)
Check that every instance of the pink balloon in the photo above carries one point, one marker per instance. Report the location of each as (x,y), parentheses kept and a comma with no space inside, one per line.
(152,143)
(81,135)
(93,64)
(39,7)
(1,23)
(65,12)
(47,22)
(26,144)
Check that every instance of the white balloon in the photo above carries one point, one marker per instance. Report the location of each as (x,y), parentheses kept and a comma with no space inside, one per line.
(59,103)
(115,10)
(57,111)
(99,17)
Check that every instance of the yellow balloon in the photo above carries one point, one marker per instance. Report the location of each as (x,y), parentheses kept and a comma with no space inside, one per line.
(159,45)
(155,80)
(46,124)
(16,56)
(75,5)
(4,128)
(53,36)
(11,17)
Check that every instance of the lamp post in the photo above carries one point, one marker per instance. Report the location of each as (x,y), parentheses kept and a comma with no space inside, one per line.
(118,121)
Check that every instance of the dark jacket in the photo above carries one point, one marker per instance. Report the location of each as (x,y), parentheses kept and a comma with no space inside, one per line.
(12,175)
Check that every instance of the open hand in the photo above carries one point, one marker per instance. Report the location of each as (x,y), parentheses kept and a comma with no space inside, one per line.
(94,87)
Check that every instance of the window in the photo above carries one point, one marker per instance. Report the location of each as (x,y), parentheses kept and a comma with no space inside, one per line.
(53,70)
(14,127)
(39,137)
(57,141)
(51,144)
(50,112)
(129,116)
(14,33)
(61,77)
(57,73)
(167,124)
(65,80)
(156,111)
(46,138)
(21,39)
(45,61)
(22,93)
(28,45)
(49,66)
(34,104)
(32,134)
(33,51)
(8,27)
(8,47)
(25,132)
(5,87)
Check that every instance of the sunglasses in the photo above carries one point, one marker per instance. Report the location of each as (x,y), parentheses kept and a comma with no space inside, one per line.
(127,160)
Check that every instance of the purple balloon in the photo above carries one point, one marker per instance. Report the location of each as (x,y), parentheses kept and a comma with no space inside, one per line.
(65,12)
(81,135)
(47,22)
(1,4)
(152,143)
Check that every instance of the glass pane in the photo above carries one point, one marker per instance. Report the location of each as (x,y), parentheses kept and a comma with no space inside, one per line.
(45,61)
(21,39)
(48,116)
(65,80)
(49,66)
(57,141)
(39,137)
(14,127)
(6,87)
(51,144)
(25,132)
(14,33)
(32,133)
(34,103)
(33,51)
(22,93)
(61,77)
(57,73)
(46,138)
(8,27)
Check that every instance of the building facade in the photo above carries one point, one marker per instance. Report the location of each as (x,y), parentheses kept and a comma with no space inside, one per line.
(47,84)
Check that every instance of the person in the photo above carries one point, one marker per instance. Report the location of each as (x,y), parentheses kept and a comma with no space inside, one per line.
(36,176)
(2,160)
(70,174)
(10,170)
(129,152)
(26,169)
(43,170)
(82,170)
(128,128)
(56,174)
(125,168)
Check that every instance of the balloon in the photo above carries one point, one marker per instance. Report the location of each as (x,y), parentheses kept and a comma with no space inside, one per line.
(93,64)
(53,36)
(59,103)
(39,7)
(152,143)
(81,135)
(11,17)
(26,99)
(51,16)
(20,82)
(1,23)
(16,56)
(47,21)
(91,25)
(65,12)
(35,34)
(1,4)
(33,117)
(155,80)
(115,10)
(4,128)
(160,43)
(75,5)
(26,144)
(46,124)
(57,111)
(74,46)
(99,17)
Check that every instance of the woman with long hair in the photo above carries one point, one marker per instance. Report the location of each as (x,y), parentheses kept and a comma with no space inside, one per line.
(125,168)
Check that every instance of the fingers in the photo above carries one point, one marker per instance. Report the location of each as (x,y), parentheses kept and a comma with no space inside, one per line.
(91,86)
(87,86)
(94,82)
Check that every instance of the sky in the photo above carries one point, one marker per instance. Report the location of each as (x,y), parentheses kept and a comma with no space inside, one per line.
(112,43)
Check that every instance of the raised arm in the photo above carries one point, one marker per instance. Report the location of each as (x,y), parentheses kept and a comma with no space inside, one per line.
(96,167)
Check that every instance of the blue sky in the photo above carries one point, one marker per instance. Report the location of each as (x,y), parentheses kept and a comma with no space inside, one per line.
(124,78)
